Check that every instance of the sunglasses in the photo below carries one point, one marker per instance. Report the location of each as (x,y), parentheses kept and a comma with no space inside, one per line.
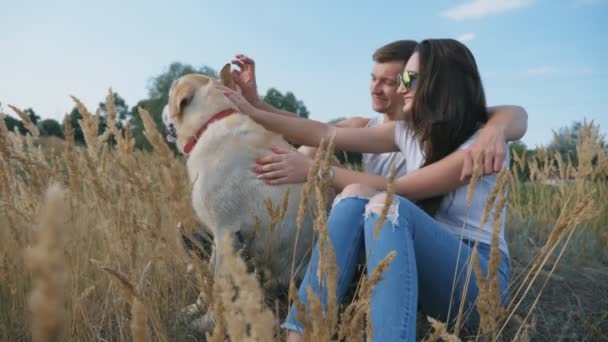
(407,79)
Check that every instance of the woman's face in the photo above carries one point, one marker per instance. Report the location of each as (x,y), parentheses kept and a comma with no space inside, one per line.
(408,81)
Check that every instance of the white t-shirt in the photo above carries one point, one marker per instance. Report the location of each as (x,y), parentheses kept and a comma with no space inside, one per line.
(453,212)
(380,163)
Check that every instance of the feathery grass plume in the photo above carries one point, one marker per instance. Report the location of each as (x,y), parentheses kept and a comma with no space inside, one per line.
(277,214)
(301,316)
(571,218)
(90,125)
(257,224)
(111,117)
(139,324)
(439,332)
(155,138)
(4,151)
(304,204)
(95,179)
(245,314)
(140,312)
(69,155)
(483,302)
(390,191)
(29,125)
(325,322)
(489,299)
(501,180)
(47,265)
(477,172)
(310,182)
(353,319)
(315,308)
(220,333)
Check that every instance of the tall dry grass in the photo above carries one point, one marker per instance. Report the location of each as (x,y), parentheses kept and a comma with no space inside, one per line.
(98,256)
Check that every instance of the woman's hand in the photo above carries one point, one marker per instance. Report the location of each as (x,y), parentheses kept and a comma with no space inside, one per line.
(245,78)
(239,101)
(283,167)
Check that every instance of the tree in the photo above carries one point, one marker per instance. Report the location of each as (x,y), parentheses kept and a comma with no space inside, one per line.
(158,96)
(566,139)
(50,127)
(32,115)
(11,123)
(73,117)
(158,86)
(287,102)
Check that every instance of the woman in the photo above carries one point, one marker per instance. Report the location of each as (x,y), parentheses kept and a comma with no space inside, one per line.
(445,105)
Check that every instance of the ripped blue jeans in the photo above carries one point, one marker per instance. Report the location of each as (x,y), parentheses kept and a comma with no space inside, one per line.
(428,259)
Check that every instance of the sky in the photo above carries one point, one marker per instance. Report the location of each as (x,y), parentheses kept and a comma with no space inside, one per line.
(544,55)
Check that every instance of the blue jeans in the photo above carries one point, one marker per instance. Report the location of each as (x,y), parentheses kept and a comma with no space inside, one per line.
(420,275)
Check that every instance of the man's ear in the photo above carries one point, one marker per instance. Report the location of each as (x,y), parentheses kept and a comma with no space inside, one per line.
(226,77)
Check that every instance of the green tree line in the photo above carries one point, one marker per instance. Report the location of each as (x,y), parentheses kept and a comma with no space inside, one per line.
(158,94)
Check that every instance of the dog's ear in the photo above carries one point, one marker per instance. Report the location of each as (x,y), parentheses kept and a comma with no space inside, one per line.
(181,98)
(226,77)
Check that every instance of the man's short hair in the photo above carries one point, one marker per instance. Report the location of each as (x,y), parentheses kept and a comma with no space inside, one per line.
(397,51)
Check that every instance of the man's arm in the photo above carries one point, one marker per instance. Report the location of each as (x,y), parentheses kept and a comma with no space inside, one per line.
(505,123)
(513,120)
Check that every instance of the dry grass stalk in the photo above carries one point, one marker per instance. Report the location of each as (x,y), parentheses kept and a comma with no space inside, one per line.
(565,227)
(304,204)
(90,126)
(390,191)
(501,180)
(29,125)
(69,155)
(301,309)
(245,314)
(140,311)
(477,172)
(353,319)
(47,265)
(439,332)
(489,299)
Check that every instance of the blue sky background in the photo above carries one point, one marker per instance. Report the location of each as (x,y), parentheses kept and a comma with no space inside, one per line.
(544,55)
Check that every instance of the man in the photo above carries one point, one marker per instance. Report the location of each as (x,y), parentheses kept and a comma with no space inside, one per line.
(506,123)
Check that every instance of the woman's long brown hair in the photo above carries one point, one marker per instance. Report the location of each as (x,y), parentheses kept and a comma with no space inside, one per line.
(449,105)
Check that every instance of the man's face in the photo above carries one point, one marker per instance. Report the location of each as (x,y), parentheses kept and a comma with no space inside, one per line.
(384,88)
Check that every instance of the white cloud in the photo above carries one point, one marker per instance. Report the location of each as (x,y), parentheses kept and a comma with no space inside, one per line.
(482,8)
(467,37)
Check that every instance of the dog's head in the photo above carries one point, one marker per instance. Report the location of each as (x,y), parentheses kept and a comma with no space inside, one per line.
(192,102)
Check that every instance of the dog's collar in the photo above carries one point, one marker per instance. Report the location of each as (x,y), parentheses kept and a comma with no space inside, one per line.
(194,139)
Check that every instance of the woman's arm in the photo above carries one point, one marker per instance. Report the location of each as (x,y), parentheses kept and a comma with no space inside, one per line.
(436,179)
(307,132)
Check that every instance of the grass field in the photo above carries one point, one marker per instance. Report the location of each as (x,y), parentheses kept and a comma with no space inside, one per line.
(90,249)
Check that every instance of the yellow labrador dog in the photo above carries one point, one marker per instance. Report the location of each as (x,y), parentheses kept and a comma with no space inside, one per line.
(222,146)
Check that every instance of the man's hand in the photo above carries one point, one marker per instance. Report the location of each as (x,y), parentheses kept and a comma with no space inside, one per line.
(245,78)
(490,147)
